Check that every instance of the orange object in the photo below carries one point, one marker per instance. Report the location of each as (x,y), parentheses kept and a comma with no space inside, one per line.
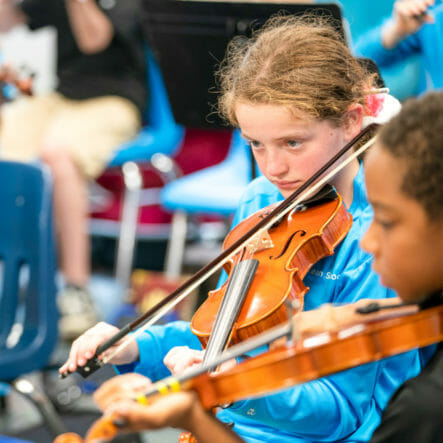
(187,437)
(285,254)
(23,84)
(102,430)
(149,287)
(69,437)
(354,345)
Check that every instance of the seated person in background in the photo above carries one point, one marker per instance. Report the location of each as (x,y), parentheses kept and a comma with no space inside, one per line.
(404,173)
(298,96)
(416,27)
(97,106)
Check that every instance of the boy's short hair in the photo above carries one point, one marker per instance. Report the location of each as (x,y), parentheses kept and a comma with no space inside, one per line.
(414,137)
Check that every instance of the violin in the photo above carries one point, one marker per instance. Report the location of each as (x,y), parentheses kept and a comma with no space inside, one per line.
(307,359)
(280,258)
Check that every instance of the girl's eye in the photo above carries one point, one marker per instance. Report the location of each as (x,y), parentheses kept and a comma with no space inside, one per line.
(293,143)
(385,224)
(254,144)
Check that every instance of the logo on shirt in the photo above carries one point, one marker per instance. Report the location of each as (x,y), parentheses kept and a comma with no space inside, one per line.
(325,275)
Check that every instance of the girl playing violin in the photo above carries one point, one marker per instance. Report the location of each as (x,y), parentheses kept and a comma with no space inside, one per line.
(404,172)
(298,96)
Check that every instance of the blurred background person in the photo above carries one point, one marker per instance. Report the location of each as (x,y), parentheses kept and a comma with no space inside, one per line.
(97,105)
(415,27)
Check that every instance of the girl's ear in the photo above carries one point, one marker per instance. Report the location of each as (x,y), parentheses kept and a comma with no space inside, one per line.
(353,121)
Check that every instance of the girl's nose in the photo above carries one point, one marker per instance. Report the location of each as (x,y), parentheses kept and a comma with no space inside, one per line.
(276,164)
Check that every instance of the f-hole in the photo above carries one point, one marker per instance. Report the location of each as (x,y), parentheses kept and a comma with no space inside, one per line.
(301,232)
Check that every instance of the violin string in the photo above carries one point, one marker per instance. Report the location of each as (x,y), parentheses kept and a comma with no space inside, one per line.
(419,321)
(303,196)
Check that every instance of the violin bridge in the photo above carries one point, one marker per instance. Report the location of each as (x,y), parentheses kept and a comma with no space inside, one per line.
(259,242)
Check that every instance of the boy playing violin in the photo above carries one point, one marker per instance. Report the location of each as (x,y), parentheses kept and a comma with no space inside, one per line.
(298,96)
(404,176)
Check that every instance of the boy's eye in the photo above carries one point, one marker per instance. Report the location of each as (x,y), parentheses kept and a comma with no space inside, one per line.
(385,224)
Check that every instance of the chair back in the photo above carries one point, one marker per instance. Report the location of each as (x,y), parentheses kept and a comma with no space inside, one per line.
(28,313)
(160,132)
(158,112)
(213,190)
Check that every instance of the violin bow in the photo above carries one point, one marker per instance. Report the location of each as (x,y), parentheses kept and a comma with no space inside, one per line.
(306,190)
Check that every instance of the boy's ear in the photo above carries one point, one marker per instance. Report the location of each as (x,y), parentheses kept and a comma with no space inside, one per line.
(353,120)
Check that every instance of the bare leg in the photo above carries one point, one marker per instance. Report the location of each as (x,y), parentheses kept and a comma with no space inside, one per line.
(70,211)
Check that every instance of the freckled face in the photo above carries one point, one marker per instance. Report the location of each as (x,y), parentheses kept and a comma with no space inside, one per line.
(407,247)
(288,150)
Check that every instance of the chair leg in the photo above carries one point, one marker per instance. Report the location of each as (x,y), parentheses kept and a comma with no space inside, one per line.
(47,411)
(176,245)
(128,227)
(4,391)
(132,177)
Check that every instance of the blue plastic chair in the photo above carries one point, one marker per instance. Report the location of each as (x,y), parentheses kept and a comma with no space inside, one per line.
(219,186)
(28,313)
(213,190)
(159,135)
(160,132)
(4,439)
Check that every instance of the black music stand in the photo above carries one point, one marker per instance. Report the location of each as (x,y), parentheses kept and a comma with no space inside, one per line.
(189,39)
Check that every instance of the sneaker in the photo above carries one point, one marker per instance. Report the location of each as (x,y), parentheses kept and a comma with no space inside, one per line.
(77,311)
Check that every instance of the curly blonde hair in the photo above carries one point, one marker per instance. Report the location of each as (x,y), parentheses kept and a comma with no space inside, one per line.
(300,62)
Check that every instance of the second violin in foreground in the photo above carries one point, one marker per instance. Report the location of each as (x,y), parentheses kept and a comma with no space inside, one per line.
(307,359)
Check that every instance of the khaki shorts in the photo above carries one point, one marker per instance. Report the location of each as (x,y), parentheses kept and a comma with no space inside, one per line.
(90,130)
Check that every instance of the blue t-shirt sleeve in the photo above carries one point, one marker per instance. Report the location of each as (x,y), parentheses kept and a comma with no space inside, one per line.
(370,45)
(154,343)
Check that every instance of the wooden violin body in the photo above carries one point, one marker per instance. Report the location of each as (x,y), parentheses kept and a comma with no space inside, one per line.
(285,254)
(321,355)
